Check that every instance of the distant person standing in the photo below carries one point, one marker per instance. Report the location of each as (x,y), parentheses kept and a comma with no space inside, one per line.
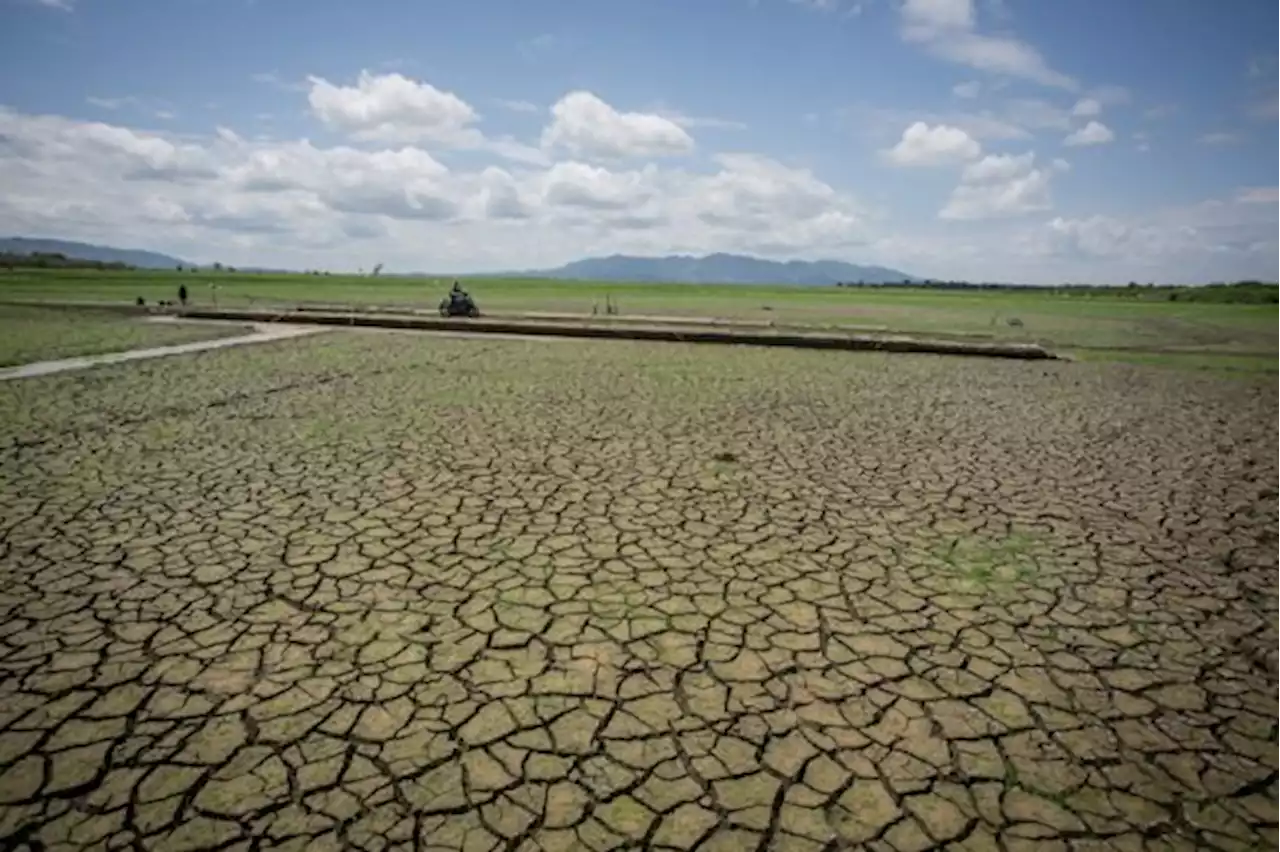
(182,294)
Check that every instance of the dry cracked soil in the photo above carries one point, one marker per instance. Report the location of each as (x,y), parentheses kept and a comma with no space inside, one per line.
(393,592)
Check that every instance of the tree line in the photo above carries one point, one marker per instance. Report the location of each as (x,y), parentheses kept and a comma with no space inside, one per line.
(57,260)
(1238,292)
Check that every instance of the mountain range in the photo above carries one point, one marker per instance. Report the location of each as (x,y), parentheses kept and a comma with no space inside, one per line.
(683,269)
(722,269)
(86,251)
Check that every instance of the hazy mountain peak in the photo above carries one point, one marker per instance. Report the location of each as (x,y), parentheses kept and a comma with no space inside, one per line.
(722,268)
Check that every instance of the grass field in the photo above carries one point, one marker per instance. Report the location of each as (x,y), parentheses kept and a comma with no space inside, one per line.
(40,334)
(371,590)
(1247,333)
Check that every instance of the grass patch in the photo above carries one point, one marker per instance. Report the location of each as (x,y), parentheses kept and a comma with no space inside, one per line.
(991,562)
(46,334)
(1056,321)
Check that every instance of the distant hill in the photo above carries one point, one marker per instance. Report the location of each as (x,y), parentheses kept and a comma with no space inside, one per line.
(722,269)
(86,251)
(710,269)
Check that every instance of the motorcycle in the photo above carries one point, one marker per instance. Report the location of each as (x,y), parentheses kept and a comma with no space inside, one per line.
(459,304)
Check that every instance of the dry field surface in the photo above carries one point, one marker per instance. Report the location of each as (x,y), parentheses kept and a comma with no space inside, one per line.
(380,591)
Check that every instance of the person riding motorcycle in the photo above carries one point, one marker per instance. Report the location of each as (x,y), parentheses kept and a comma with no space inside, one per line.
(457,295)
(458,303)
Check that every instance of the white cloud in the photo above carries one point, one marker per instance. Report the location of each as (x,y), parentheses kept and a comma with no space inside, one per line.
(939,14)
(923,145)
(1138,243)
(1209,240)
(1093,133)
(948,30)
(585,125)
(1086,108)
(332,203)
(1258,195)
(63,5)
(573,184)
(1101,236)
(394,108)
(998,167)
(1000,186)
(299,203)
(967,89)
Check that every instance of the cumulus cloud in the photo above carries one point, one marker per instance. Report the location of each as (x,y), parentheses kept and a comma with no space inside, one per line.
(574,184)
(585,125)
(998,167)
(394,108)
(383,188)
(1216,239)
(1104,236)
(923,145)
(948,30)
(133,155)
(757,189)
(1000,186)
(241,200)
(1093,133)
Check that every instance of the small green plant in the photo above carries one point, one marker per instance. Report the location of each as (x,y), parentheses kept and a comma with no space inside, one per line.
(987,562)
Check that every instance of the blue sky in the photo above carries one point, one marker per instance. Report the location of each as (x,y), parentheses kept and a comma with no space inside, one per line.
(981,139)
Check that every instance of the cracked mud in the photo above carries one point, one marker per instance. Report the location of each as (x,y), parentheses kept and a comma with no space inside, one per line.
(385,592)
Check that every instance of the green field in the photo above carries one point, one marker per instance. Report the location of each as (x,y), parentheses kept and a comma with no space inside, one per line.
(41,334)
(1244,335)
